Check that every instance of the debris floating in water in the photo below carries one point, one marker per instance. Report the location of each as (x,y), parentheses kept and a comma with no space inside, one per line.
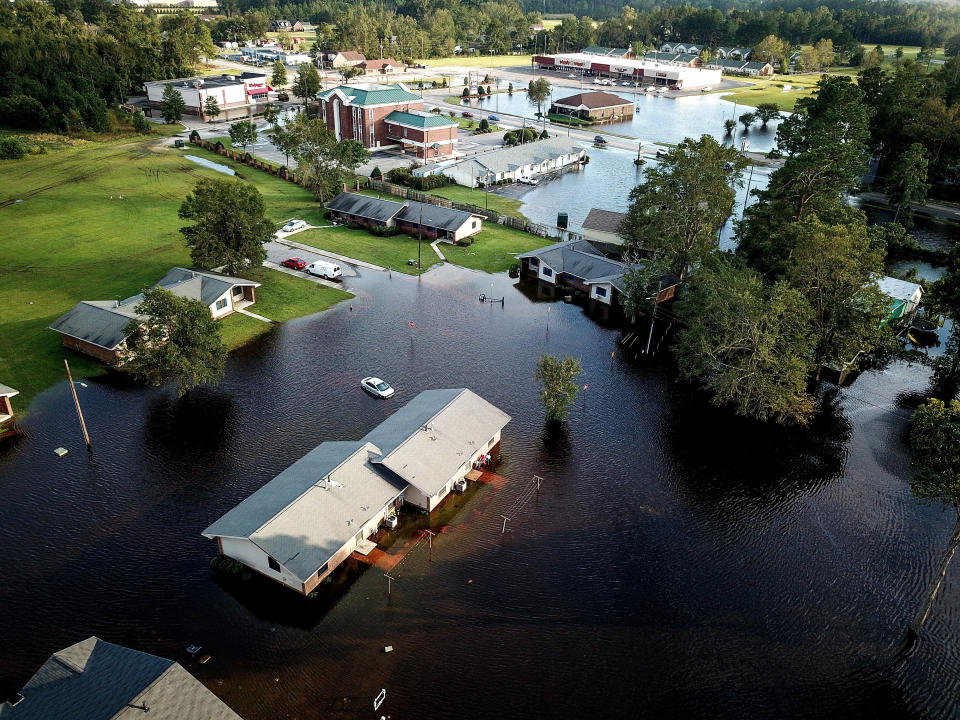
(60,451)
(388,648)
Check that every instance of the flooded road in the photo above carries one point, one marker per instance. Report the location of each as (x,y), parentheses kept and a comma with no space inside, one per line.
(677,563)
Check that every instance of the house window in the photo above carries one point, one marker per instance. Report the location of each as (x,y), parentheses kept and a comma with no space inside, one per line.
(404,132)
(221,303)
(474,224)
(547,272)
(322,570)
(274,565)
(601,292)
(237,291)
(534,262)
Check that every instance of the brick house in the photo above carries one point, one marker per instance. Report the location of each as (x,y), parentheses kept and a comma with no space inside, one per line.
(414,218)
(594,106)
(98,327)
(359,112)
(347,58)
(381,67)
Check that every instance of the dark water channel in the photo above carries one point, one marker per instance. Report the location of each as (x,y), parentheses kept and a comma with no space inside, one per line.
(676,563)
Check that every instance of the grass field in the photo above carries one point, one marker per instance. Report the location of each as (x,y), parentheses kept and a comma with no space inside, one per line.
(478,61)
(479,198)
(67,240)
(776,90)
(386,251)
(494,248)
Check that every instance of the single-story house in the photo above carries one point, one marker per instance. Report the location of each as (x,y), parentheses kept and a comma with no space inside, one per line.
(307,520)
(98,327)
(595,105)
(602,227)
(346,58)
(581,266)
(734,53)
(727,65)
(298,26)
(905,296)
(97,679)
(684,59)
(757,69)
(511,163)
(381,67)
(280,25)
(6,408)
(415,218)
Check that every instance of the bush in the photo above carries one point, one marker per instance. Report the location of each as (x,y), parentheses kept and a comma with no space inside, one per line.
(544,135)
(376,174)
(510,89)
(224,564)
(140,122)
(194,135)
(481,91)
(484,124)
(219,146)
(12,148)
(465,93)
(382,231)
(283,97)
(514,270)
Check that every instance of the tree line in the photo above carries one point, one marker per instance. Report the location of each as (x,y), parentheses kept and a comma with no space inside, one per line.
(64,64)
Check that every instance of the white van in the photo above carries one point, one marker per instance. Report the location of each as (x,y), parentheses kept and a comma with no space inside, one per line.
(324,270)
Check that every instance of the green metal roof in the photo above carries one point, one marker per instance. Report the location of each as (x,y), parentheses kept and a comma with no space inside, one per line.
(372,94)
(420,120)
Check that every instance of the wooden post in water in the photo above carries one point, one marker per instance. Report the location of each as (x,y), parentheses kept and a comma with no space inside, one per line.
(76,401)
(389,584)
(504,528)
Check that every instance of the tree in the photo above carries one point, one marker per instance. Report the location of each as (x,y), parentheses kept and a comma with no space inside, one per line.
(538,91)
(283,39)
(729,124)
(271,113)
(140,122)
(747,344)
(747,119)
(771,49)
(641,281)
(510,89)
(176,339)
(680,205)
(324,162)
(279,77)
(480,91)
(767,112)
(172,105)
(465,93)
(211,107)
(285,141)
(907,182)
(350,71)
(935,477)
(558,386)
(243,133)
(307,84)
(229,226)
(835,268)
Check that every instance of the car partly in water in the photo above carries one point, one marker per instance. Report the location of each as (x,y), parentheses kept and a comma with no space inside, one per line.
(295,263)
(376,387)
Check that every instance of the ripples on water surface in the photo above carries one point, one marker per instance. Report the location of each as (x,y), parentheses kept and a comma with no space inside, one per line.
(676,563)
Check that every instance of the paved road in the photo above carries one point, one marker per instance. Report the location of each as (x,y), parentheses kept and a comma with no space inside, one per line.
(945,211)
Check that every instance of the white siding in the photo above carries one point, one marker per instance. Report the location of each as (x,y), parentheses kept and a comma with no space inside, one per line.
(551,278)
(225,310)
(254,557)
(602,236)
(470,227)
(607,290)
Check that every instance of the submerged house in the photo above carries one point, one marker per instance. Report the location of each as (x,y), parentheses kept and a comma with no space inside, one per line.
(905,296)
(508,164)
(307,520)
(581,266)
(98,327)
(7,418)
(97,680)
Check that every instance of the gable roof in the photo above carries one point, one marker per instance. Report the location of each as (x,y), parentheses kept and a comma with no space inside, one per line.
(97,680)
(433,435)
(603,220)
(7,391)
(102,322)
(409,211)
(662,56)
(508,159)
(897,289)
(304,515)
(419,119)
(363,94)
(378,64)
(581,259)
(755,65)
(434,215)
(365,206)
(351,55)
(593,100)
(728,64)
(686,58)
(607,51)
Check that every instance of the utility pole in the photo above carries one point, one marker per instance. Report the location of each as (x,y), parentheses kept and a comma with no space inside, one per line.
(504,528)
(430,542)
(389,584)
(76,401)
(537,479)
(419,237)
(746,198)
(653,316)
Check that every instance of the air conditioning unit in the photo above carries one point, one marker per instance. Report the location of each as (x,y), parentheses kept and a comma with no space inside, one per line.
(391,521)
(460,485)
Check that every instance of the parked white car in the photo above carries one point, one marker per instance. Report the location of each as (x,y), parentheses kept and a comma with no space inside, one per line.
(293,225)
(323,269)
(706,88)
(528,181)
(376,387)
(661,89)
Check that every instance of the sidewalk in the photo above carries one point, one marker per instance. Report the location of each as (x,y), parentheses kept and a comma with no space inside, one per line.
(335,256)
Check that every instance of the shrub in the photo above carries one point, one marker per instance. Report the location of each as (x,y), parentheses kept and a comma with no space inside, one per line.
(465,93)
(376,174)
(283,97)
(194,135)
(481,91)
(382,231)
(544,135)
(12,148)
(219,146)
(510,89)
(140,122)
(224,564)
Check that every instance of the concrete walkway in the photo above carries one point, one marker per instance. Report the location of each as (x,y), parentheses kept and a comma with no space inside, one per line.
(437,250)
(335,256)
(254,315)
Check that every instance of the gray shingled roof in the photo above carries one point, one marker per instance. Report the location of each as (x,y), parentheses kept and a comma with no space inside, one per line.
(578,258)
(434,215)
(603,220)
(427,445)
(102,322)
(365,206)
(97,680)
(509,159)
(409,211)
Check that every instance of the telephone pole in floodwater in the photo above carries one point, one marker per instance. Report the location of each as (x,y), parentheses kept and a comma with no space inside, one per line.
(76,401)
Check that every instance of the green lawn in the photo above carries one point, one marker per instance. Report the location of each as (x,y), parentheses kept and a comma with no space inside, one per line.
(68,241)
(494,248)
(478,61)
(479,198)
(385,251)
(784,90)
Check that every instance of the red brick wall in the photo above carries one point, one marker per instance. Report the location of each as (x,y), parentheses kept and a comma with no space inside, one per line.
(370,115)
(82,346)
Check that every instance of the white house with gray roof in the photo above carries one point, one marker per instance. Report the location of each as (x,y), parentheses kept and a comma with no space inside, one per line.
(98,327)
(512,163)
(97,680)
(307,520)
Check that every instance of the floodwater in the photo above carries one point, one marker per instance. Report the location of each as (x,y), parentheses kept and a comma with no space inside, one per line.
(677,562)
(656,118)
(210,164)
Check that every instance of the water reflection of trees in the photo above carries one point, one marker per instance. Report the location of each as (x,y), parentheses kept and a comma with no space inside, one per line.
(746,466)
(201,421)
(555,438)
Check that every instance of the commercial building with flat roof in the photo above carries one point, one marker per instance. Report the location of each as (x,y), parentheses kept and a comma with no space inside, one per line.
(237,96)
(643,70)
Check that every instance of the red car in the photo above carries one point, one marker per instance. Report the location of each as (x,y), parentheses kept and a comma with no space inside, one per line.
(295,263)
(674,87)
(467,114)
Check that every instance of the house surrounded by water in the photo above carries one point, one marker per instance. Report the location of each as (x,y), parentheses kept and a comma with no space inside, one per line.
(298,527)
(98,327)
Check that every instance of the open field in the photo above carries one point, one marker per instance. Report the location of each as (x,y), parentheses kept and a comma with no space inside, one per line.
(478,61)
(67,241)
(775,90)
(494,249)
(473,196)
(909,51)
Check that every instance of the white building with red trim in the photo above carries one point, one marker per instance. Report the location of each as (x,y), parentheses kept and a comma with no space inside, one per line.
(644,70)
(237,96)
